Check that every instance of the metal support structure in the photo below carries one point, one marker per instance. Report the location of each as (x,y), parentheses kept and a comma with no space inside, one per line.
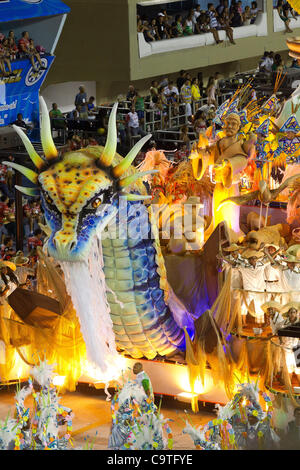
(19,213)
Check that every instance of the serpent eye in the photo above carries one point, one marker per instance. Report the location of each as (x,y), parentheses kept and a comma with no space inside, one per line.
(96,203)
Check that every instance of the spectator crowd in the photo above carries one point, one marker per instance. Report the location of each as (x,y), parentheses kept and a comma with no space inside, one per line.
(86,124)
(12,48)
(199,21)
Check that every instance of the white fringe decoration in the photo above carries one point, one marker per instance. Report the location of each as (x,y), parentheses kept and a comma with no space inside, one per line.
(85,283)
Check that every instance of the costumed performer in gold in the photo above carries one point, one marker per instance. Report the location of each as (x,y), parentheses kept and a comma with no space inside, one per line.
(228,158)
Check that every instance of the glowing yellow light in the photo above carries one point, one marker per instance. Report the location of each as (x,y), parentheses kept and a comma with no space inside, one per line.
(186,396)
(59,380)
(95,374)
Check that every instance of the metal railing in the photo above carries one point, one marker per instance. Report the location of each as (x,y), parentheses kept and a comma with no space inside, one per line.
(155,120)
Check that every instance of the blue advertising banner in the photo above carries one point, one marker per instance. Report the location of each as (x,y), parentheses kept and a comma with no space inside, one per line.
(22,9)
(20,93)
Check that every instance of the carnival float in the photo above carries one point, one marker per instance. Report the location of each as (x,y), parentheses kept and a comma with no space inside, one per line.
(172,265)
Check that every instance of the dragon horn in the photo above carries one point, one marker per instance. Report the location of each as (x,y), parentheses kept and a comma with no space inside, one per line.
(28,191)
(135,197)
(30,175)
(119,169)
(110,148)
(48,145)
(36,159)
(132,178)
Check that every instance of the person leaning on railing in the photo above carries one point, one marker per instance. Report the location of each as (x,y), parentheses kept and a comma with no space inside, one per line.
(162,28)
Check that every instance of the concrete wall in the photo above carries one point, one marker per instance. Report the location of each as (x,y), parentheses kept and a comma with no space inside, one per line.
(94,46)
(64,94)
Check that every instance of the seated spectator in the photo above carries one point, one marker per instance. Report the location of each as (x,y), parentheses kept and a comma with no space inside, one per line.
(133,123)
(236,18)
(154,29)
(5,59)
(12,47)
(91,104)
(57,117)
(27,48)
(20,122)
(151,32)
(74,114)
(140,26)
(177,27)
(162,29)
(188,26)
(254,12)
(168,26)
(283,11)
(247,16)
(224,24)
(202,25)
(213,22)
(167,18)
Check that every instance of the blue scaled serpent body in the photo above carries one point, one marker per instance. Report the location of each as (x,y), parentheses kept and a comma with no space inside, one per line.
(81,193)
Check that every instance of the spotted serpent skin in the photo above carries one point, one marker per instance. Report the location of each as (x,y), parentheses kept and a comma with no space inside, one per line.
(79,196)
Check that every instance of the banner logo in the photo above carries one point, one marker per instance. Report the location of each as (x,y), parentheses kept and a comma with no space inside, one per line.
(33,77)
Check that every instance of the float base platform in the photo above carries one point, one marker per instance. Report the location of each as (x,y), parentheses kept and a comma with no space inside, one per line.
(171,378)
